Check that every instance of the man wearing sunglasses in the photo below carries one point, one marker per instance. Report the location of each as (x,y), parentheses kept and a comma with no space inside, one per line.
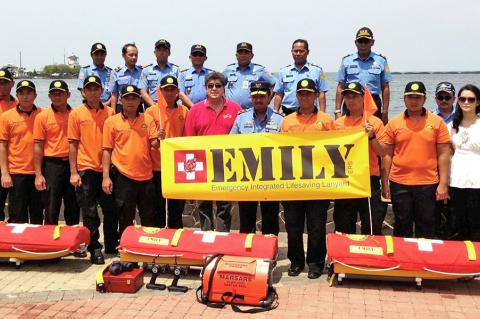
(369,69)
(445,98)
(191,81)
(213,116)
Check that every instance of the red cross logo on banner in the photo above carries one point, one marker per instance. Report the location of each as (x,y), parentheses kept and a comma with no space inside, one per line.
(190,167)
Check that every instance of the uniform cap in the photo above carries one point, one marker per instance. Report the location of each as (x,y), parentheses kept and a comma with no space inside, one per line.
(259,87)
(162,43)
(98,47)
(415,88)
(198,48)
(168,81)
(307,85)
(92,79)
(58,85)
(446,87)
(26,84)
(130,89)
(244,46)
(354,87)
(6,75)
(364,32)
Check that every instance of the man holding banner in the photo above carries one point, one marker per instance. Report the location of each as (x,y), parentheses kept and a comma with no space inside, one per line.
(213,116)
(370,209)
(306,119)
(258,119)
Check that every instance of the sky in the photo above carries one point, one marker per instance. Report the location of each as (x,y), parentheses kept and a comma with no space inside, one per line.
(439,35)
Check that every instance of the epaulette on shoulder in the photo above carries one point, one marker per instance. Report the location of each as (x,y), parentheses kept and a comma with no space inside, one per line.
(347,56)
(85,66)
(175,65)
(281,114)
(287,66)
(118,68)
(383,56)
(318,66)
(256,64)
(146,65)
(242,111)
(231,64)
(184,70)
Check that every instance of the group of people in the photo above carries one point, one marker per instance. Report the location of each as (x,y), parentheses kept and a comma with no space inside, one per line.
(106,151)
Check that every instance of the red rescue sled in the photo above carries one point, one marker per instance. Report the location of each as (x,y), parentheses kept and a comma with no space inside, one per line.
(191,247)
(396,257)
(20,242)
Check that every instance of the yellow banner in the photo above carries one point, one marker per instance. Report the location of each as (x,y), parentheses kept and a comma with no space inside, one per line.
(267,166)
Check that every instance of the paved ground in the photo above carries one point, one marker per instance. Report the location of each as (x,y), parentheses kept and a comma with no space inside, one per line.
(66,289)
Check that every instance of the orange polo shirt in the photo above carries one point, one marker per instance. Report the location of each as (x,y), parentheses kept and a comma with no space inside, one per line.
(51,127)
(173,122)
(415,142)
(315,122)
(85,125)
(16,129)
(7,105)
(348,123)
(130,142)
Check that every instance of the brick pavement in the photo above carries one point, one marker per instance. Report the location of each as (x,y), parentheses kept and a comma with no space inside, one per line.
(66,290)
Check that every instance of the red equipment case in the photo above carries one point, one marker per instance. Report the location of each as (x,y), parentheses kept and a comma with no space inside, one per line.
(126,282)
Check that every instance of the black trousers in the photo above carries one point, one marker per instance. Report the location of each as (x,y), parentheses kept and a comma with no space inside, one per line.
(129,194)
(175,206)
(25,203)
(3,199)
(223,215)
(346,210)
(57,176)
(89,195)
(287,110)
(314,212)
(465,203)
(248,217)
(413,204)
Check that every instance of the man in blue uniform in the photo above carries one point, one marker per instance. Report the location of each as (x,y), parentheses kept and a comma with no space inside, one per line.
(259,118)
(126,75)
(153,74)
(369,69)
(285,89)
(192,80)
(445,99)
(239,75)
(98,52)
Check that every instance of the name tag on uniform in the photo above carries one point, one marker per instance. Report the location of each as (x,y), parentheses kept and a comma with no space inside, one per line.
(248,125)
(245,84)
(188,78)
(271,127)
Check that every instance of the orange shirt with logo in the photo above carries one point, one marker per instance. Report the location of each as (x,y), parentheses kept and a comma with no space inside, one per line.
(51,127)
(16,129)
(130,141)
(415,142)
(314,122)
(349,123)
(173,122)
(7,105)
(85,125)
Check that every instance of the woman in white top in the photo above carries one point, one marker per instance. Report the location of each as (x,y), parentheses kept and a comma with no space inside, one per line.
(464,174)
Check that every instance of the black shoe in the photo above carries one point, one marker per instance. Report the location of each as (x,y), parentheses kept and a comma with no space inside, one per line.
(80,254)
(96,257)
(314,274)
(295,270)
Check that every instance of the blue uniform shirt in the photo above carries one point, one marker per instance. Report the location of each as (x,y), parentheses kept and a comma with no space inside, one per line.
(153,74)
(102,73)
(192,83)
(247,122)
(373,71)
(288,78)
(123,76)
(447,119)
(238,81)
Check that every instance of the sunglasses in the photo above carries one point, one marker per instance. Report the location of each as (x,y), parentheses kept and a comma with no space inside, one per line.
(214,85)
(363,41)
(443,97)
(467,99)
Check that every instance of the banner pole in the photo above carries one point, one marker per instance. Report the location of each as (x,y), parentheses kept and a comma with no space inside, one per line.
(370,213)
